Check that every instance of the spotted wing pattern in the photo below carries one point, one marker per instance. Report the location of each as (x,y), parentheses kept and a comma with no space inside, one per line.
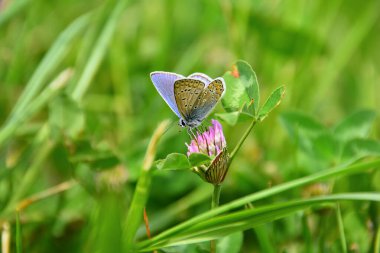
(208,99)
(186,93)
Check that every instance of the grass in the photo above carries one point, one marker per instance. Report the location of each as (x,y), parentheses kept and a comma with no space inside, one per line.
(78,115)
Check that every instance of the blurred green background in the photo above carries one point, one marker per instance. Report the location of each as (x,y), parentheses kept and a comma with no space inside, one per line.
(92,133)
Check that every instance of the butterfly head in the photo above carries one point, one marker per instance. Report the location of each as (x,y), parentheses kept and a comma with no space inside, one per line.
(182,123)
(189,123)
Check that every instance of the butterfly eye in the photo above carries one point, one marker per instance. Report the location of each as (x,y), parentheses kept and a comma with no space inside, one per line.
(182,123)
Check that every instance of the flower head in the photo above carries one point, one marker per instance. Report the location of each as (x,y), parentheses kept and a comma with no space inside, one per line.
(213,144)
(210,142)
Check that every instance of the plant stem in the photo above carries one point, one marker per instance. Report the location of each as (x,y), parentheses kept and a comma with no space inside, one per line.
(343,241)
(18,234)
(215,196)
(5,237)
(45,194)
(140,196)
(238,146)
(214,204)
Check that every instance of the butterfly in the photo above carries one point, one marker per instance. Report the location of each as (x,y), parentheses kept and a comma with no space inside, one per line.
(191,98)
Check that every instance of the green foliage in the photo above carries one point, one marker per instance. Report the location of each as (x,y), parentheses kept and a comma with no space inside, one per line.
(242,101)
(243,88)
(66,116)
(356,125)
(273,100)
(78,111)
(173,161)
(197,159)
(231,243)
(346,142)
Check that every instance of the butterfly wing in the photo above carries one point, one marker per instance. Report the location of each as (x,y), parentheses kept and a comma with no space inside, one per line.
(208,99)
(164,83)
(202,77)
(186,93)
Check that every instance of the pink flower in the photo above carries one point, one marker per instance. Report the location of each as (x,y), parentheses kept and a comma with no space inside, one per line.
(213,144)
(210,142)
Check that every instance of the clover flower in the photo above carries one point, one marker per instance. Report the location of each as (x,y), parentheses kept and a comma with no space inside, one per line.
(213,144)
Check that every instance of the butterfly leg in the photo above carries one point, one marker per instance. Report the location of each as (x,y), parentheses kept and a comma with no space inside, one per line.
(191,133)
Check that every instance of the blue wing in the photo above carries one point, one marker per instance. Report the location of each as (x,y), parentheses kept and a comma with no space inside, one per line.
(164,83)
(201,77)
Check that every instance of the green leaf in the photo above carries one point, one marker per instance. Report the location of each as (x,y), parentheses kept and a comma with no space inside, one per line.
(295,122)
(359,148)
(273,100)
(356,125)
(304,130)
(242,88)
(175,161)
(230,244)
(197,159)
(325,147)
(264,240)
(66,115)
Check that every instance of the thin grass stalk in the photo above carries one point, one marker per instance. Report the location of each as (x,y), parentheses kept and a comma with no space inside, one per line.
(49,63)
(98,51)
(45,147)
(244,219)
(45,194)
(18,234)
(51,91)
(140,196)
(342,236)
(6,237)
(12,10)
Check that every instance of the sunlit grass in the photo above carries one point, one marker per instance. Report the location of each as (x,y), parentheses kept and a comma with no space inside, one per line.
(77,106)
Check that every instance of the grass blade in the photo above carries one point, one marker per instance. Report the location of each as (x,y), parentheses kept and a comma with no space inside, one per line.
(140,196)
(326,174)
(98,51)
(52,90)
(52,59)
(18,234)
(341,229)
(241,220)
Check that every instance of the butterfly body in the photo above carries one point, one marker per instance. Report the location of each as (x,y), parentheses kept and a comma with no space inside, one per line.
(191,98)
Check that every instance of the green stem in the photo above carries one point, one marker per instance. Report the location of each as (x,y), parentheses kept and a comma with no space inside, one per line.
(140,196)
(18,234)
(238,146)
(377,241)
(343,241)
(214,204)
(215,196)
